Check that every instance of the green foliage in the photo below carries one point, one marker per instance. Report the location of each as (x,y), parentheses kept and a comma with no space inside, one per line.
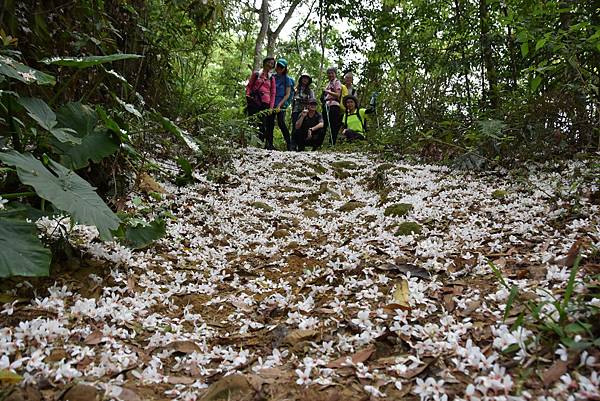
(564,327)
(21,252)
(21,72)
(89,61)
(45,117)
(96,141)
(503,80)
(65,189)
(138,234)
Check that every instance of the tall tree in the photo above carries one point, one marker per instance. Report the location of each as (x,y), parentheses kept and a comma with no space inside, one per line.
(266,32)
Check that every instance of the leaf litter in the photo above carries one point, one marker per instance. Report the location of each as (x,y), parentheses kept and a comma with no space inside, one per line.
(273,287)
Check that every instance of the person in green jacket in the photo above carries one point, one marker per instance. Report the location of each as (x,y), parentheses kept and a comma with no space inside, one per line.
(354,120)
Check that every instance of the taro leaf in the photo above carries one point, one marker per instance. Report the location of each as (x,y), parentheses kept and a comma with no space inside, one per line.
(65,189)
(79,117)
(96,142)
(140,236)
(112,124)
(95,147)
(13,69)
(174,129)
(89,61)
(21,251)
(45,117)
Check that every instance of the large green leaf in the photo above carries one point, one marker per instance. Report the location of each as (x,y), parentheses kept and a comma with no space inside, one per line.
(13,69)
(96,142)
(65,189)
(174,129)
(79,117)
(141,235)
(21,252)
(46,118)
(89,61)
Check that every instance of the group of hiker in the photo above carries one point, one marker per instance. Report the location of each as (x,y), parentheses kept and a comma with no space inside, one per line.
(269,93)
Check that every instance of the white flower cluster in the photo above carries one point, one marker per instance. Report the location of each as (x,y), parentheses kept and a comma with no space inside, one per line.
(277,271)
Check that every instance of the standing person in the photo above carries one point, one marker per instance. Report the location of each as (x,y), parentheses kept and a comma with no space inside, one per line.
(333,96)
(349,84)
(354,121)
(309,127)
(260,96)
(283,97)
(301,97)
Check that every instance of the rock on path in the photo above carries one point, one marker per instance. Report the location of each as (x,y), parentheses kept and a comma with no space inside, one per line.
(313,276)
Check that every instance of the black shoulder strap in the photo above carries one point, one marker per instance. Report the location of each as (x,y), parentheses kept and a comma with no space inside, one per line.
(362,123)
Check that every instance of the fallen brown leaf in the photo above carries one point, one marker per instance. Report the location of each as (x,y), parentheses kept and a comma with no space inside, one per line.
(227,386)
(297,336)
(180,380)
(358,357)
(186,347)
(554,372)
(94,338)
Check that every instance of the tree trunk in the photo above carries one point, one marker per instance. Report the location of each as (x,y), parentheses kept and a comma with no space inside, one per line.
(464,61)
(486,55)
(512,49)
(264,18)
(267,33)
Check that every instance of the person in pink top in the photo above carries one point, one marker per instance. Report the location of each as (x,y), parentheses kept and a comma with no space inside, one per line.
(333,96)
(260,96)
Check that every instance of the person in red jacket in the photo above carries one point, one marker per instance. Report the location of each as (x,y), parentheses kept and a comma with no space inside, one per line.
(260,96)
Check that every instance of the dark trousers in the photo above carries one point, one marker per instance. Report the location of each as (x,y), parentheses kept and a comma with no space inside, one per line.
(316,140)
(333,119)
(295,116)
(269,127)
(258,121)
(284,129)
(352,135)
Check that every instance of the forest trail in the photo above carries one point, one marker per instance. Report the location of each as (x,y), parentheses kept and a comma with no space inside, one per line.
(299,278)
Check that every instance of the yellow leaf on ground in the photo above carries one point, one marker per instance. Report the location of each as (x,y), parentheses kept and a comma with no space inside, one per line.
(8,377)
(401,294)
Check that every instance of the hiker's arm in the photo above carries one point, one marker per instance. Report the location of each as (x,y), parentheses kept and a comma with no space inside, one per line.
(288,90)
(300,120)
(251,82)
(318,126)
(272,101)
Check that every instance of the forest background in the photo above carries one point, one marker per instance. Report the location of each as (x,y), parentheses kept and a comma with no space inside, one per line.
(102,88)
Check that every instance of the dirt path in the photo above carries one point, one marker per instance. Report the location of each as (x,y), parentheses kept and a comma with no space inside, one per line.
(299,279)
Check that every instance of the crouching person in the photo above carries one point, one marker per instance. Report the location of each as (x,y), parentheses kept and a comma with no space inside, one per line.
(354,120)
(309,127)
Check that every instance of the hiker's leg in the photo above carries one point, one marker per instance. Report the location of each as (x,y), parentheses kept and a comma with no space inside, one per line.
(294,135)
(335,121)
(318,137)
(269,122)
(284,129)
(353,135)
(300,139)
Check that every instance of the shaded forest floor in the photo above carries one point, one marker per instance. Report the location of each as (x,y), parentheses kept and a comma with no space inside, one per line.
(324,276)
